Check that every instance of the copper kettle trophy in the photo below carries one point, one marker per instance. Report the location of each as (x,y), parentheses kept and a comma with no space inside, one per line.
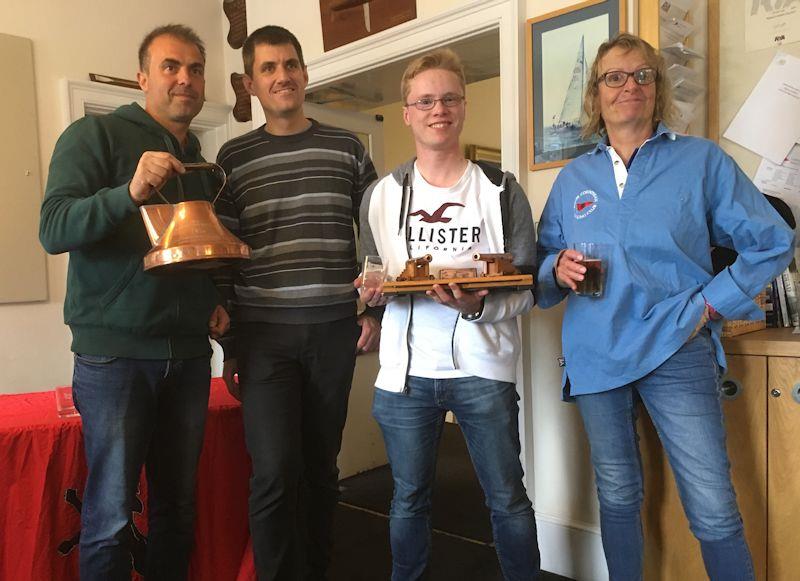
(189,234)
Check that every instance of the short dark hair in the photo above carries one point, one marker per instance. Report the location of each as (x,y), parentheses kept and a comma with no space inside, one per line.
(272,35)
(179,31)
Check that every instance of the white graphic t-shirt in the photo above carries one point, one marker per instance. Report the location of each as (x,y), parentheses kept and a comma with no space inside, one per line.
(446,223)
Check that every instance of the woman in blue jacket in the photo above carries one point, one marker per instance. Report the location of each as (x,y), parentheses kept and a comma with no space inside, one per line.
(658,201)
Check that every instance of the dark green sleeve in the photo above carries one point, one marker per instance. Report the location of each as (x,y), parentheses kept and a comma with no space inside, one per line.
(79,206)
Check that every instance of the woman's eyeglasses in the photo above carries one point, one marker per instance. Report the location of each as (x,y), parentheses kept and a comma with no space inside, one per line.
(616,79)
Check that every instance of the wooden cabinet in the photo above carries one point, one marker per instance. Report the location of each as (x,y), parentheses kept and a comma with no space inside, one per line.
(762,415)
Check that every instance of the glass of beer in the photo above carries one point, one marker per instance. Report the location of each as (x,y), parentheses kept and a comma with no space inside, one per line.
(374,273)
(595,259)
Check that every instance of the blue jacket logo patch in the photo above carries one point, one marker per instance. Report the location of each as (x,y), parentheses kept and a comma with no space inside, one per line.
(585,204)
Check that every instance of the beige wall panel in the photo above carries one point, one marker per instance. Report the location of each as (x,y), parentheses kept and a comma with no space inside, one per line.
(23,271)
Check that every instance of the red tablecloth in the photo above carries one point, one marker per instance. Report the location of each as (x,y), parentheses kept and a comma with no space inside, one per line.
(43,471)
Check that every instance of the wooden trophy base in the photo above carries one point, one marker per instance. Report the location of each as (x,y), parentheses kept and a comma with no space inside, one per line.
(505,281)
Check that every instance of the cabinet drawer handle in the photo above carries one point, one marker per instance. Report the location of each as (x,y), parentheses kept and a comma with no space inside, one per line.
(775,393)
(796,393)
(731,388)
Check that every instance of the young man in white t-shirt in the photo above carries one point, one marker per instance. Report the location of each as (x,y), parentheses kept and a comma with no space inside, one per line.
(451,350)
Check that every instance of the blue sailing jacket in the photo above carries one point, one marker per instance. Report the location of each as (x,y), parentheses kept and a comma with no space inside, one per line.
(683,195)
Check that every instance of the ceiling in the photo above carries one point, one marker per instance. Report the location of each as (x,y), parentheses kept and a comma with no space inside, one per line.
(377,87)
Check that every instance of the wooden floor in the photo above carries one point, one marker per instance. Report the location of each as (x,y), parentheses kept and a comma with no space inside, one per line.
(462,537)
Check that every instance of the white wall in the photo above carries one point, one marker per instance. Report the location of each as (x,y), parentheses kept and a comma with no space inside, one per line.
(563,479)
(70,40)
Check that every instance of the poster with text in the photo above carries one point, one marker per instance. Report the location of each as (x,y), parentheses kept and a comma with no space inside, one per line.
(769,23)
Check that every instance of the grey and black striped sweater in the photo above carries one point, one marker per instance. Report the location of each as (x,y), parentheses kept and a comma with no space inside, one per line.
(294,200)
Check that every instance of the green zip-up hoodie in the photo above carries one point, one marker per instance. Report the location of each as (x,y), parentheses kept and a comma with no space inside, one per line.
(112,306)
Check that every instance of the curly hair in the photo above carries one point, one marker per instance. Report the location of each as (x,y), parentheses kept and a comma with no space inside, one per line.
(664,109)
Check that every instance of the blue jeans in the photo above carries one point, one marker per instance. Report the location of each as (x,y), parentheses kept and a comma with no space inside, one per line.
(134,413)
(682,398)
(412,423)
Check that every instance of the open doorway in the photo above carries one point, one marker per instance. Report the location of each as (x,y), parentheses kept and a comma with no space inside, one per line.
(376,94)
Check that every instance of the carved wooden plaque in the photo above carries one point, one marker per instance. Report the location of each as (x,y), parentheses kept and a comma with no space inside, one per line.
(344,21)
(241,110)
(236,12)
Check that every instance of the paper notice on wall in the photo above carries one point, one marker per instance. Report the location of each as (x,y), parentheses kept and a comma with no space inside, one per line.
(782,180)
(769,23)
(769,121)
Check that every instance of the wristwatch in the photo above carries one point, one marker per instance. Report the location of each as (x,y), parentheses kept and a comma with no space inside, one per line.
(473,316)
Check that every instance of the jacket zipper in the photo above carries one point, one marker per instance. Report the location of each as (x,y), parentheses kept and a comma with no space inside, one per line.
(453,342)
(408,341)
(182,198)
(405,208)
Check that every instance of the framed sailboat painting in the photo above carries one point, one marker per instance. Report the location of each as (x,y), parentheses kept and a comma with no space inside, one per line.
(561,46)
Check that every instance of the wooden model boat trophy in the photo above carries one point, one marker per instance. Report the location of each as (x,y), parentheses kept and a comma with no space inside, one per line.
(499,272)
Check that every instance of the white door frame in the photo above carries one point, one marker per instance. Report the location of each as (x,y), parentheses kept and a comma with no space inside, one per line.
(213,126)
(405,40)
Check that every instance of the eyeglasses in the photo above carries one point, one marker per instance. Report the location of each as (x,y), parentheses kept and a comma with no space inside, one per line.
(616,79)
(428,103)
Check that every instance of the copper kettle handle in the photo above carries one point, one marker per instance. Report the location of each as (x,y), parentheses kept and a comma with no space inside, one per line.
(202,166)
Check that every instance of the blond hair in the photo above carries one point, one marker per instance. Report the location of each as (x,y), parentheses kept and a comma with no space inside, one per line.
(664,109)
(443,58)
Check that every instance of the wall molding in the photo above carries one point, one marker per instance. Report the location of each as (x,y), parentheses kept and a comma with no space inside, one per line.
(214,125)
(572,549)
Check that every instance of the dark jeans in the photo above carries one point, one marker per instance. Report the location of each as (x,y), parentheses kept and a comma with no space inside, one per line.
(134,413)
(487,412)
(295,382)
(682,398)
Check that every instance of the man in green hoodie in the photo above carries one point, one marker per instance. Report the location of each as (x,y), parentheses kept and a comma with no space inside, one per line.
(141,377)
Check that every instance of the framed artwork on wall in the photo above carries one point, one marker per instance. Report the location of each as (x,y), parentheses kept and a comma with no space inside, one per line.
(560,49)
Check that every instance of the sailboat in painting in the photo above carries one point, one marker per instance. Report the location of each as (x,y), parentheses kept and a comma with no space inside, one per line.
(564,130)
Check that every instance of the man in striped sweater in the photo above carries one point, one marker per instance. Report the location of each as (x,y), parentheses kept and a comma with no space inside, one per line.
(293,194)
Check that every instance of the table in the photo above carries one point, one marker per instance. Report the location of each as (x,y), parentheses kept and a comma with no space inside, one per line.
(42,475)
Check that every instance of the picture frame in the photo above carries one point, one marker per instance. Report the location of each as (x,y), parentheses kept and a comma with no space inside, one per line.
(478,153)
(560,49)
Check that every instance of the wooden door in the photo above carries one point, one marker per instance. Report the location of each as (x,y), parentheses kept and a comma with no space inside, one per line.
(671,551)
(784,470)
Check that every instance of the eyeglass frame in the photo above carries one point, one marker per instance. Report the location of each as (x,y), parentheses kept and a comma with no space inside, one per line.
(602,78)
(459,100)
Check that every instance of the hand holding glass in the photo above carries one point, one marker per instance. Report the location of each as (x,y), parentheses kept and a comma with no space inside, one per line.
(374,273)
(595,260)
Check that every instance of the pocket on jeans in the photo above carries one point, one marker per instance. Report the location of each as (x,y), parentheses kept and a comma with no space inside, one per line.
(97,360)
